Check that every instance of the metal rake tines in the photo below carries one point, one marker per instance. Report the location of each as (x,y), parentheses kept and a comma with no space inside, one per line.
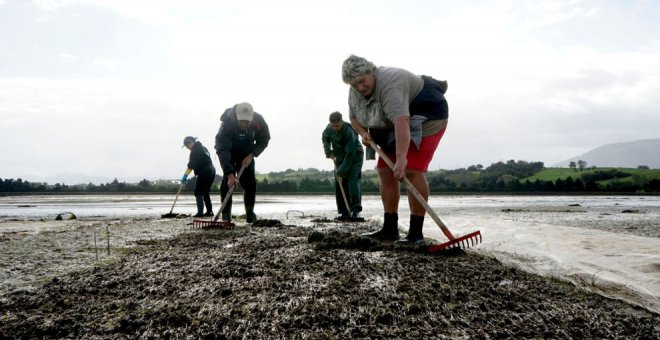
(462,242)
(212,224)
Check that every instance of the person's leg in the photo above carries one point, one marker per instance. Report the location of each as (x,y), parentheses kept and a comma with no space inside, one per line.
(207,193)
(199,200)
(339,199)
(199,196)
(418,179)
(389,194)
(418,161)
(249,183)
(389,190)
(224,190)
(355,189)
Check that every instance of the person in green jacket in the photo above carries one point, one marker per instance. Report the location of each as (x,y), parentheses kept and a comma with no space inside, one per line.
(341,144)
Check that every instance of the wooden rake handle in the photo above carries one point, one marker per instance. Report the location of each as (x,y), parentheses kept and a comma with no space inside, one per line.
(411,188)
(177,197)
(341,187)
(229,193)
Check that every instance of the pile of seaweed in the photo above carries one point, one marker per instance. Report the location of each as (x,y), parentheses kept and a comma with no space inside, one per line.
(321,282)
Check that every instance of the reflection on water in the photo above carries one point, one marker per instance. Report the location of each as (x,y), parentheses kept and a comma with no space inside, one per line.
(155,205)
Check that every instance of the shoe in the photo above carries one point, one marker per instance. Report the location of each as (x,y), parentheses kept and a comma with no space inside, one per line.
(250,217)
(209,213)
(226,217)
(390,230)
(411,241)
(415,235)
(355,214)
(199,214)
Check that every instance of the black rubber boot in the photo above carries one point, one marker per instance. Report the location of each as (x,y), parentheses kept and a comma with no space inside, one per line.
(209,205)
(390,230)
(250,216)
(200,206)
(415,235)
(226,214)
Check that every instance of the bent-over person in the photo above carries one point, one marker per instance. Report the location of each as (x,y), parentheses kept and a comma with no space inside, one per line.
(341,144)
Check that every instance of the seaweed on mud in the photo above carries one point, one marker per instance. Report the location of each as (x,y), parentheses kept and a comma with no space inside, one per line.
(277,283)
(266,223)
(335,239)
(322,220)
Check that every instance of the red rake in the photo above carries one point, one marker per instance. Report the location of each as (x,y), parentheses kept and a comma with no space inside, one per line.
(462,242)
(215,224)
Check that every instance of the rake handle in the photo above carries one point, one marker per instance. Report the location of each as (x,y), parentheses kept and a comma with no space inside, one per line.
(177,197)
(411,188)
(229,193)
(341,187)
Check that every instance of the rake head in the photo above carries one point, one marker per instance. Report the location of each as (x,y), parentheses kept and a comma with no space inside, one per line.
(204,224)
(462,242)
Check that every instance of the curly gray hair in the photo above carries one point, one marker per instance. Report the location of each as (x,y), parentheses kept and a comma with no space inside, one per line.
(355,66)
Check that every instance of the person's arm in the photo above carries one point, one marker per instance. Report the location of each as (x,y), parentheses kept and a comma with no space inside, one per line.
(325,138)
(351,148)
(360,130)
(402,135)
(262,137)
(223,146)
(184,178)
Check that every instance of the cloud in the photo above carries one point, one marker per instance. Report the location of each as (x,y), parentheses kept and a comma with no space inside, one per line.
(107,63)
(122,82)
(68,58)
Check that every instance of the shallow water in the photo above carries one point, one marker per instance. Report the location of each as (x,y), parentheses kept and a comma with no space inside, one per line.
(609,244)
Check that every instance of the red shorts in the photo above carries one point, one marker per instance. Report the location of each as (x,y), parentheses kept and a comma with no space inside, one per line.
(418,159)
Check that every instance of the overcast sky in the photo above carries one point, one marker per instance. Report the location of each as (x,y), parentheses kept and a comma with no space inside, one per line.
(109,88)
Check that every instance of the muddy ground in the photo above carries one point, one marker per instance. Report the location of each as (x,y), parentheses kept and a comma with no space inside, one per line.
(273,280)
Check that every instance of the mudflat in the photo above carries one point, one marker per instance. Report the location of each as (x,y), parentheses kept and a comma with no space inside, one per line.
(324,281)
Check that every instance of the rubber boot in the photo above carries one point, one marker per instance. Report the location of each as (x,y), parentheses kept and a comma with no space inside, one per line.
(390,230)
(250,216)
(200,206)
(226,213)
(415,235)
(209,206)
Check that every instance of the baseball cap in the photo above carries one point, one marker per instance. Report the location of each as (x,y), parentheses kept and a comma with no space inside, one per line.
(244,111)
(189,139)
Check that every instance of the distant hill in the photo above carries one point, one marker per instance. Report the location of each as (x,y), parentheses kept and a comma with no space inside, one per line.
(626,155)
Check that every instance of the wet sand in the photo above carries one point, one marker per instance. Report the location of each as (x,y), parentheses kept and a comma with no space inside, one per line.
(289,281)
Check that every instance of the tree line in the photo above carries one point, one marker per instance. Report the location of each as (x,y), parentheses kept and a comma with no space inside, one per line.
(500,177)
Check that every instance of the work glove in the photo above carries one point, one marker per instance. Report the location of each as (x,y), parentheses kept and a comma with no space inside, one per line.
(184,179)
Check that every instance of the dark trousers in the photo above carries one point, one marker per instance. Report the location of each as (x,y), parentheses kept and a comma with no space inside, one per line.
(352,188)
(203,185)
(248,183)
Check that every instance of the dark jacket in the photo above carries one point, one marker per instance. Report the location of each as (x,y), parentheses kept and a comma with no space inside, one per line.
(200,159)
(344,145)
(232,144)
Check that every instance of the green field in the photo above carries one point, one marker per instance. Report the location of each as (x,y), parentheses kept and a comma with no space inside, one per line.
(553,174)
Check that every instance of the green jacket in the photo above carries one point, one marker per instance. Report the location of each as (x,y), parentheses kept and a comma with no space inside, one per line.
(344,146)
